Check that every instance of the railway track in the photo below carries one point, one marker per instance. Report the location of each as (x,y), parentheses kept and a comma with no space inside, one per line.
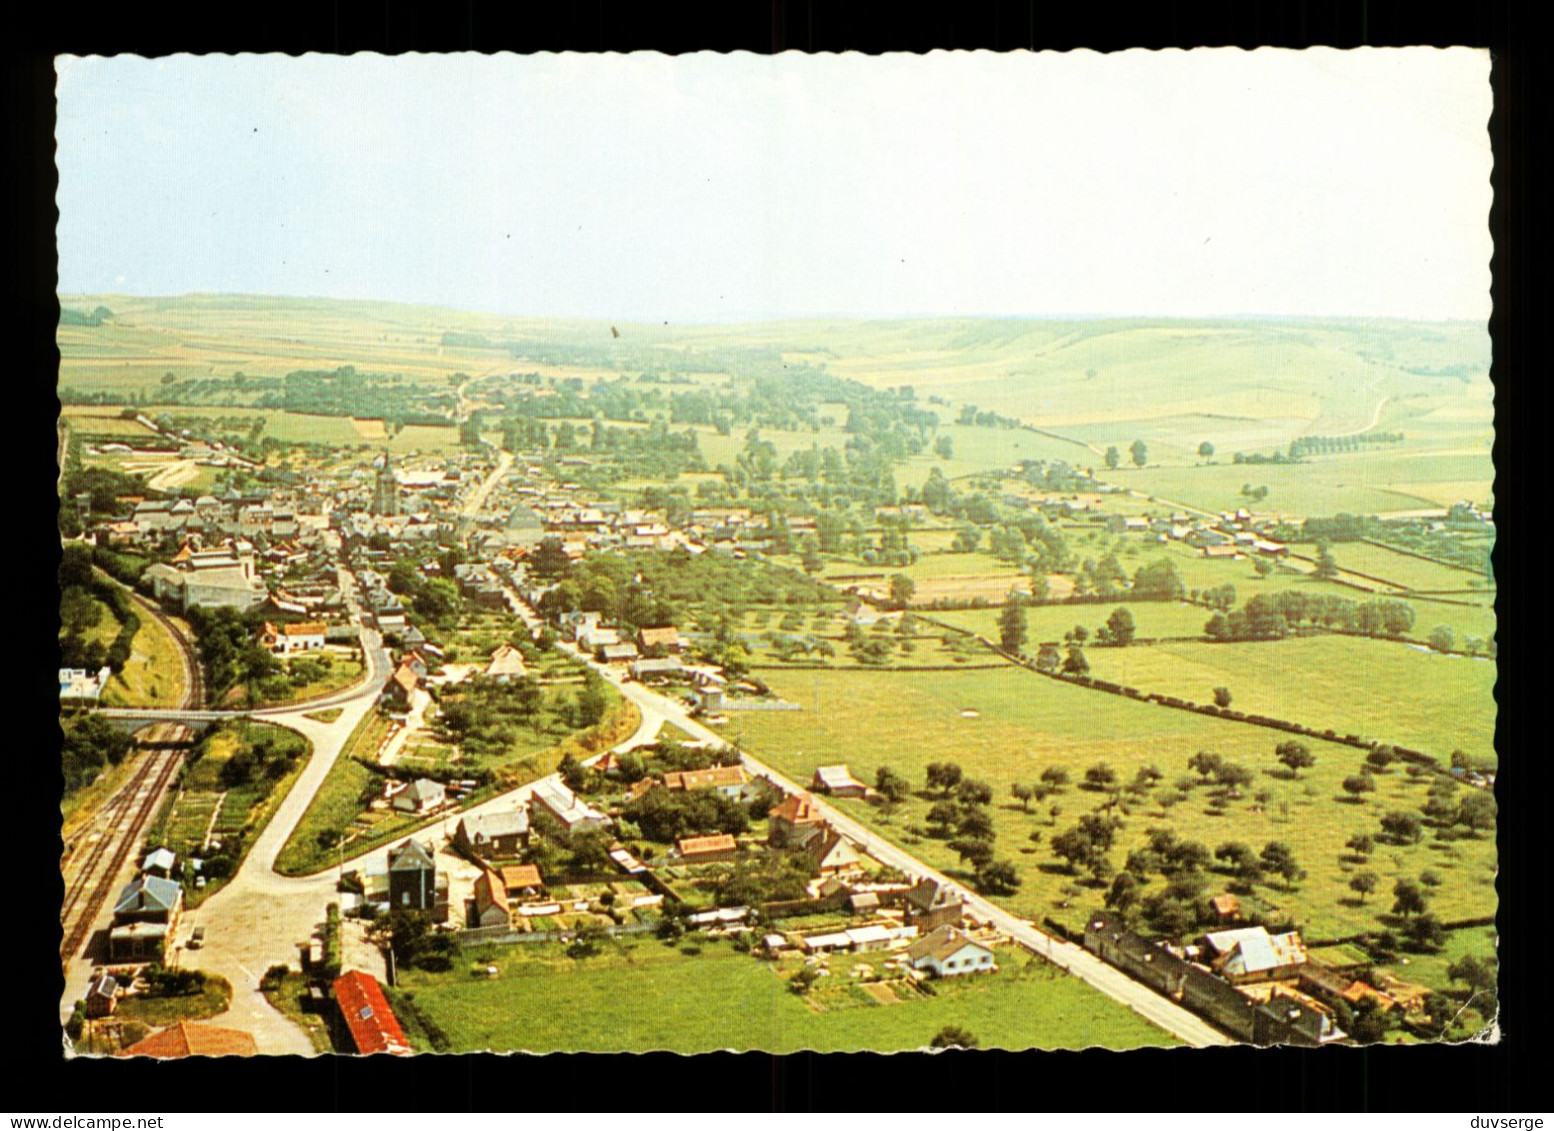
(123,819)
(194,696)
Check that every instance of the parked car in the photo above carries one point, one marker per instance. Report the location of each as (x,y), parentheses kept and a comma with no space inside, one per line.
(197,939)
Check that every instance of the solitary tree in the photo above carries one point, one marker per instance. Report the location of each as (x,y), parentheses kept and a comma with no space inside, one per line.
(891,785)
(1055,776)
(1405,828)
(1120,627)
(1279,858)
(1023,794)
(1409,898)
(1356,785)
(1361,844)
(1222,697)
(1012,627)
(1140,452)
(1425,932)
(1075,663)
(1327,565)
(1101,776)
(954,1037)
(1296,755)
(1477,811)
(1113,458)
(1205,450)
(1380,758)
(944,776)
(998,877)
(901,589)
(1443,639)
(1363,883)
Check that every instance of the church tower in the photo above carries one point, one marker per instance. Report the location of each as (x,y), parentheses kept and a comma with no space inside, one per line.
(385,490)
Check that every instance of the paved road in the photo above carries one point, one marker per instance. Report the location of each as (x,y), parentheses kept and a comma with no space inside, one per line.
(1162,1011)
(477,501)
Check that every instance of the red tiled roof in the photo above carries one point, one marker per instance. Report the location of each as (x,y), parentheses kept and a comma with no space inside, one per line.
(705,779)
(521,876)
(696,845)
(367,1013)
(189,1039)
(797,808)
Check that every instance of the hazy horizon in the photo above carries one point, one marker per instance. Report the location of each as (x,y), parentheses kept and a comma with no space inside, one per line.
(713,189)
(734,319)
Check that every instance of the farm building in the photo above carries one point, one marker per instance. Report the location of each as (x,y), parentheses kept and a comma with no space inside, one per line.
(1251,952)
(706,849)
(368,1016)
(837,781)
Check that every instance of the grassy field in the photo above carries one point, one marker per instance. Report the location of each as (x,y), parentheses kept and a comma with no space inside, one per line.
(1049,623)
(1402,569)
(1024,723)
(1365,687)
(543,1001)
(340,672)
(154,674)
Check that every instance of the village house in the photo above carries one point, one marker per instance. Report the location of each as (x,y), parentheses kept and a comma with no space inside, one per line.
(929,905)
(421,796)
(491,906)
(948,953)
(832,854)
(368,1016)
(400,690)
(729,781)
(521,881)
(78,684)
(493,835)
(571,813)
(1226,907)
(303,636)
(794,821)
(506,664)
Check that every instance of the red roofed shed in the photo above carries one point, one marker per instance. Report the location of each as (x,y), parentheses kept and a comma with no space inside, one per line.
(367,1014)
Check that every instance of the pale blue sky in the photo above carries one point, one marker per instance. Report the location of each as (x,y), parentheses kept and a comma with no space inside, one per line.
(716,187)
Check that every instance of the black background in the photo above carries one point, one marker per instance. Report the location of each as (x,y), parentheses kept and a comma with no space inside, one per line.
(1229,1081)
